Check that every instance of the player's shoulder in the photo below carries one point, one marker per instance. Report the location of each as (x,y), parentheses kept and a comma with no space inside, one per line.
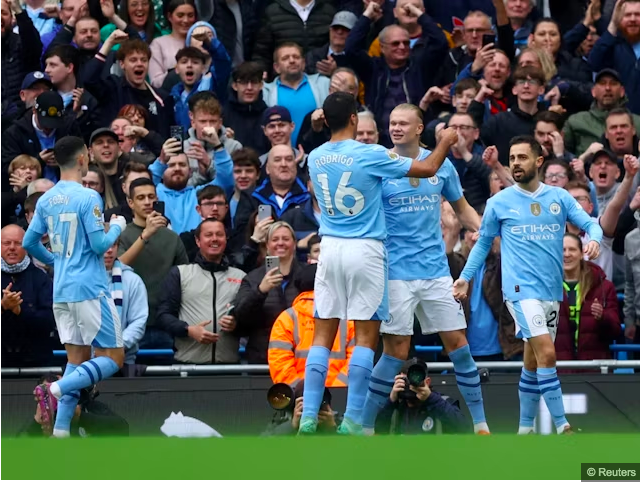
(505,195)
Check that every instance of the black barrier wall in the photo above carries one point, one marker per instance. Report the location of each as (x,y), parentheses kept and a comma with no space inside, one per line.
(235,405)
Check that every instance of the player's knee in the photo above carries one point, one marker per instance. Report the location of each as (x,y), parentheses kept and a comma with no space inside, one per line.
(324,333)
(453,340)
(116,354)
(546,358)
(367,334)
(397,346)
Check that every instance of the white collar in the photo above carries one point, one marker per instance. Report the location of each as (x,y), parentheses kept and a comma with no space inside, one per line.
(528,193)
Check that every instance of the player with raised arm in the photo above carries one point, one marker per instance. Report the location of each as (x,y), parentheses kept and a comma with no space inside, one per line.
(85,314)
(420,281)
(351,281)
(530,217)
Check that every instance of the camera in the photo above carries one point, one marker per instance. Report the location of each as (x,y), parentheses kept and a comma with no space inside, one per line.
(415,374)
(282,397)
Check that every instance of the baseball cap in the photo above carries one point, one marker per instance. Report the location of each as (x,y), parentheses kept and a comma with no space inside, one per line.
(276,113)
(103,131)
(344,19)
(610,73)
(33,78)
(50,110)
(606,153)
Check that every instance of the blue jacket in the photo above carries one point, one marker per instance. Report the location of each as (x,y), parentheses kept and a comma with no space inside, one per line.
(27,338)
(297,195)
(617,53)
(422,418)
(217,82)
(181,205)
(135,311)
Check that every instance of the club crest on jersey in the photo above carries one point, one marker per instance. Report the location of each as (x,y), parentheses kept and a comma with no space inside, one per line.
(536,209)
(414,181)
(433,180)
(554,208)
(428,424)
(393,155)
(538,320)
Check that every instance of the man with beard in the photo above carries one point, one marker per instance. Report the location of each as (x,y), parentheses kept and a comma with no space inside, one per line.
(20,51)
(292,89)
(196,302)
(172,168)
(245,106)
(530,218)
(105,151)
(82,33)
(114,92)
(584,128)
(619,48)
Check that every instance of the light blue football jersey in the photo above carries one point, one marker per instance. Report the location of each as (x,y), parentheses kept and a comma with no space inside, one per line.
(68,213)
(347,180)
(412,211)
(532,227)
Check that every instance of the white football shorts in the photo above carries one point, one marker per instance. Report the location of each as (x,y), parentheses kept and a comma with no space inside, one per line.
(431,301)
(351,280)
(89,323)
(534,318)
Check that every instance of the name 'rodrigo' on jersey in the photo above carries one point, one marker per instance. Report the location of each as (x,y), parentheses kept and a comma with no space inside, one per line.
(347,180)
(412,211)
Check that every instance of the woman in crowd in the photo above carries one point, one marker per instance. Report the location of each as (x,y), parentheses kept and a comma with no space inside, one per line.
(181,15)
(264,295)
(588,319)
(574,79)
(95,179)
(130,126)
(135,16)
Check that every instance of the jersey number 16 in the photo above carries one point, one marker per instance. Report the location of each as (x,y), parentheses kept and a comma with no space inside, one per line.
(342,192)
(58,246)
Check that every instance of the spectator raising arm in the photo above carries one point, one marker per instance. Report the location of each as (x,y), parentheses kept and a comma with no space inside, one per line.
(29,37)
(609,219)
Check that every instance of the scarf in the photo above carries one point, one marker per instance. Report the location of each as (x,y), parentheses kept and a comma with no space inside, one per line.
(16,268)
(116,281)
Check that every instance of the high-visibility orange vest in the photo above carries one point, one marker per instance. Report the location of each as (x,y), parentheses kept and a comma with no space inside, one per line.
(292,337)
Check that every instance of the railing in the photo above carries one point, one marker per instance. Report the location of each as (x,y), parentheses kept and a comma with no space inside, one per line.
(419,349)
(186,370)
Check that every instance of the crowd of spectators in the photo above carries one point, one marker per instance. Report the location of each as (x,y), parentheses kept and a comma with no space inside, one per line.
(197,112)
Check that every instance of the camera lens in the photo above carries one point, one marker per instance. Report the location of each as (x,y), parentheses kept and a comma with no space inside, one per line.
(280,396)
(416,375)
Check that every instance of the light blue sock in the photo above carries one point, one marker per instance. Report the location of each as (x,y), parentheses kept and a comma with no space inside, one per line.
(315,377)
(380,387)
(360,368)
(87,374)
(67,404)
(552,393)
(468,382)
(529,394)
